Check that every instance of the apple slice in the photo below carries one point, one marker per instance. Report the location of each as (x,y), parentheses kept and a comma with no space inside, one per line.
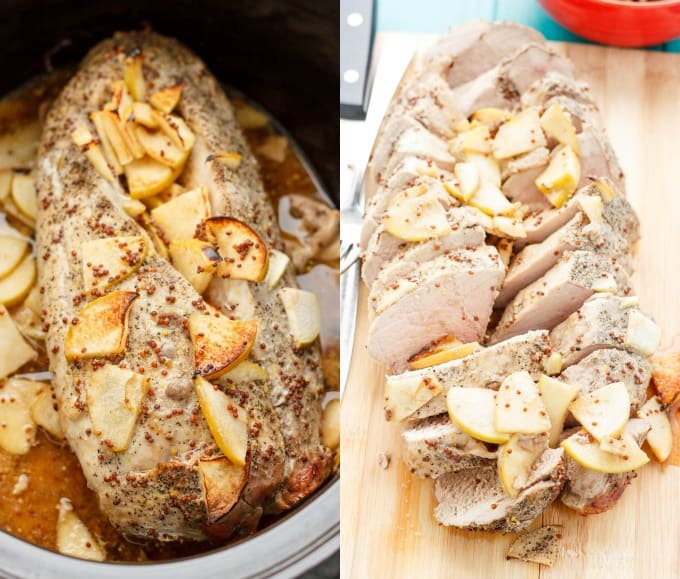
(515,459)
(133,75)
(223,482)
(73,537)
(432,358)
(12,251)
(592,206)
(166,99)
(231,160)
(83,138)
(416,215)
(114,400)
(519,135)
(23,194)
(476,140)
(468,179)
(303,313)
(19,140)
(44,413)
(660,437)
(560,178)
(180,217)
(519,408)
(155,234)
(146,177)
(245,372)
(5,183)
(109,130)
(603,412)
(196,260)
(160,148)
(175,128)
(133,207)
(552,365)
(278,262)
(488,167)
(406,394)
(14,350)
(587,452)
(101,327)
(556,396)
(244,253)
(227,421)
(142,114)
(250,118)
(510,227)
(15,286)
(504,248)
(109,261)
(642,334)
(220,344)
(620,445)
(330,425)
(491,117)
(18,431)
(473,410)
(490,199)
(557,125)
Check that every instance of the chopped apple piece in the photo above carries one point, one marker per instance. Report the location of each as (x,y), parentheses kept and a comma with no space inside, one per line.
(109,130)
(660,437)
(488,167)
(44,413)
(12,251)
(468,179)
(245,372)
(223,482)
(227,421)
(231,160)
(155,234)
(109,261)
(14,287)
(244,253)
(519,408)
(587,452)
(142,114)
(114,400)
(5,183)
(160,148)
(538,546)
(249,117)
(166,99)
(406,394)
(642,334)
(509,226)
(476,140)
(491,117)
(416,215)
(303,313)
(179,218)
(146,177)
(557,125)
(175,128)
(330,425)
(32,301)
(220,344)
(561,176)
(73,537)
(278,262)
(620,445)
(504,248)
(18,431)
(19,143)
(666,377)
(472,410)
(83,138)
(515,459)
(133,207)
(556,396)
(432,358)
(23,194)
(121,101)
(552,365)
(490,199)
(603,412)
(196,260)
(519,135)
(134,76)
(101,327)
(14,350)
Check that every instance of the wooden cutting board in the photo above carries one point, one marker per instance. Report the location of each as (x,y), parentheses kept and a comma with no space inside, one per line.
(387,525)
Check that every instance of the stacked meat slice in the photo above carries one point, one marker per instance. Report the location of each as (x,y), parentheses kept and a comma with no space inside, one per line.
(539,286)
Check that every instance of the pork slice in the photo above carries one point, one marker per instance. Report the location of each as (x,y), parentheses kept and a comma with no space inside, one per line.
(521,187)
(532,62)
(434,446)
(450,295)
(473,48)
(554,86)
(389,258)
(475,499)
(606,366)
(550,299)
(588,492)
(484,369)
(601,322)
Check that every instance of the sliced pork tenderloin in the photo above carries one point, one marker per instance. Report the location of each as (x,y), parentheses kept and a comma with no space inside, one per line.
(486,368)
(435,446)
(475,499)
(589,492)
(552,298)
(603,321)
(450,295)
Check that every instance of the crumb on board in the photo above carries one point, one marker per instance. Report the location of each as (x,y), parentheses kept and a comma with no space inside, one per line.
(384,459)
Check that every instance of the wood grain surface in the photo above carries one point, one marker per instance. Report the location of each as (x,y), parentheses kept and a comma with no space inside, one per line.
(386,514)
